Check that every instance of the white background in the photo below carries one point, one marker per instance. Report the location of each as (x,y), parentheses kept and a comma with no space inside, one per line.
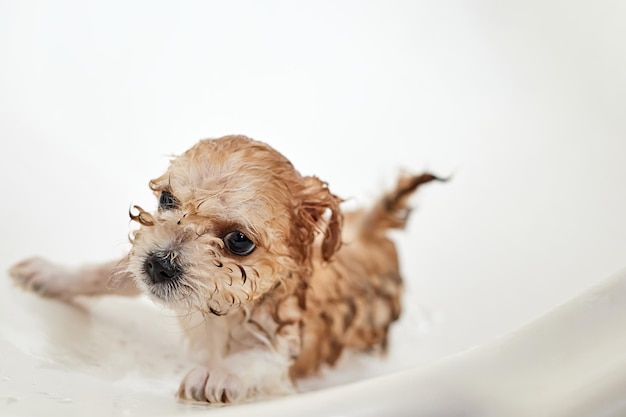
(523,103)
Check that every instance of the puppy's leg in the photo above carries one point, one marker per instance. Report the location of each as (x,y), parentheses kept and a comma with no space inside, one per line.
(235,367)
(52,280)
(245,375)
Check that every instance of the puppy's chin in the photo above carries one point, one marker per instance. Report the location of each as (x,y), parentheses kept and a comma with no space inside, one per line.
(183,295)
(169,294)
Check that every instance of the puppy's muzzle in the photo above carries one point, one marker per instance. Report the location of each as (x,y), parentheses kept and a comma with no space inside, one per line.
(160,269)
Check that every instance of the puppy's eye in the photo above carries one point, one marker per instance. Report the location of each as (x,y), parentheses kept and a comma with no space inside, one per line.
(238,243)
(167,201)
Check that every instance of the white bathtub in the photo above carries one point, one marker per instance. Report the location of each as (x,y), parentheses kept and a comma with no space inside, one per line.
(117,357)
(522,101)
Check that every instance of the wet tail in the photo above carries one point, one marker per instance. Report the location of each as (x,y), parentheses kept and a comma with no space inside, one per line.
(392,211)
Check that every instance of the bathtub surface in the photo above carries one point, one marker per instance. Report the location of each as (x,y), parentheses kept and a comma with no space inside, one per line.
(118,357)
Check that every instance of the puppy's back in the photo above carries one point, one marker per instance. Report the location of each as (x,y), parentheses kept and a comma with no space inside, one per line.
(352,300)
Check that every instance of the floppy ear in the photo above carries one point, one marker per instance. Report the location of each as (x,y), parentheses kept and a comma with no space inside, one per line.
(319,213)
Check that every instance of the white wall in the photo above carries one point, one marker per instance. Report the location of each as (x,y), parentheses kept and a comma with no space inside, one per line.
(523,102)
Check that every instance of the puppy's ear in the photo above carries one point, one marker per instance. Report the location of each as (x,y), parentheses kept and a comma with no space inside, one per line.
(319,213)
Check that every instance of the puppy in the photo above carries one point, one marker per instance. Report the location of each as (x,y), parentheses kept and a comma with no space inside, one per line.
(270,279)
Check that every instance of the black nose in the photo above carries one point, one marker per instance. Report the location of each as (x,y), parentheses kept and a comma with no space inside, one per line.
(161,269)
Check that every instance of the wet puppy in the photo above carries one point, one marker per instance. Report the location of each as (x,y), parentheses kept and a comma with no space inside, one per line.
(270,279)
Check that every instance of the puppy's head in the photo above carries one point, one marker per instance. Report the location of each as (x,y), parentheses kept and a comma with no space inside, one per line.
(234,220)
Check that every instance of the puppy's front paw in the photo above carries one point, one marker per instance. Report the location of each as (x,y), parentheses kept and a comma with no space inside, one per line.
(43,277)
(216,386)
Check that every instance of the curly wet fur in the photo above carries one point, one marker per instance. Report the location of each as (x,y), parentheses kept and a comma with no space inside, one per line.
(317,282)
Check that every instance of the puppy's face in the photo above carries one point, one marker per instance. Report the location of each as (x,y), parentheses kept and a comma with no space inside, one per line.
(234,219)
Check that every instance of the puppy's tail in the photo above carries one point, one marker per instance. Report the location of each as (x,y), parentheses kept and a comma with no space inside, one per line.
(392,211)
